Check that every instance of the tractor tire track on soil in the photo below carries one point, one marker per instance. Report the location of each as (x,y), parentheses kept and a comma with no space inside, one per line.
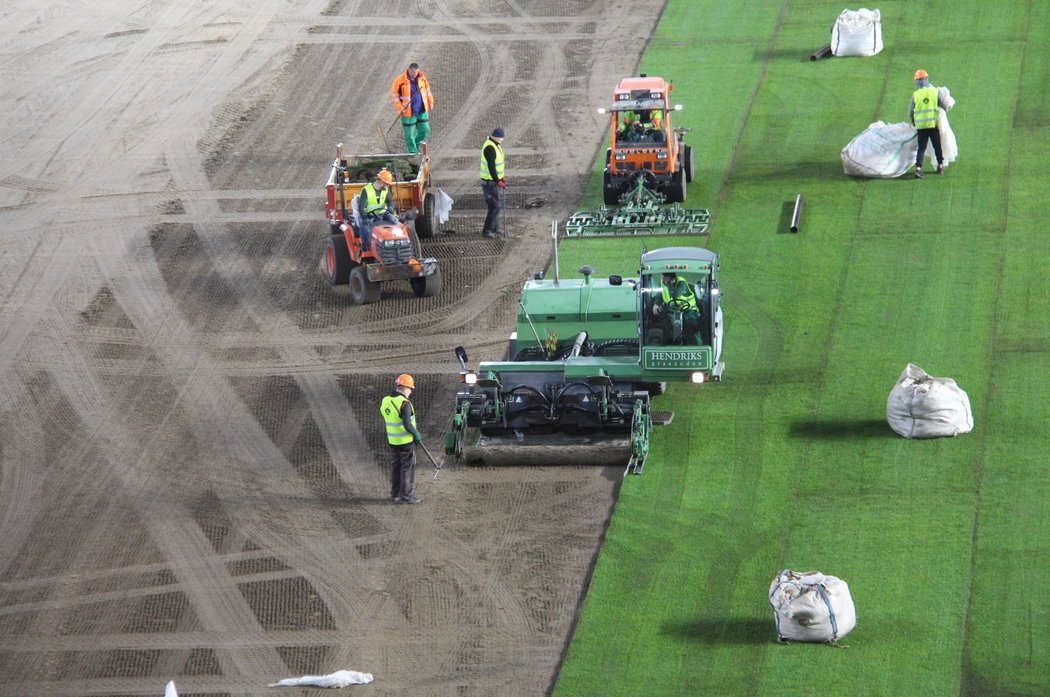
(192,468)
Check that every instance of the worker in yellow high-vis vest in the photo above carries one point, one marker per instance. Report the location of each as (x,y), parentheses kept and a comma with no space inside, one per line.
(676,295)
(925,103)
(399,417)
(493,181)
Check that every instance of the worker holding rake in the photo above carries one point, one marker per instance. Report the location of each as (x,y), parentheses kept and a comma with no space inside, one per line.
(414,101)
(400,418)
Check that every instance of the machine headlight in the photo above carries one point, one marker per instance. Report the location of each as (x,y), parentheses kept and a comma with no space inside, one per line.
(470,378)
(620,157)
(698,378)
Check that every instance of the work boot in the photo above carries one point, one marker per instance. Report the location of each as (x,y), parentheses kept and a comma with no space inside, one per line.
(940,169)
(918,172)
(408,499)
(488,235)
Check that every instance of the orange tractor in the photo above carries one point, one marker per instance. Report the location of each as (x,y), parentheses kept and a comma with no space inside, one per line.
(394,252)
(645,144)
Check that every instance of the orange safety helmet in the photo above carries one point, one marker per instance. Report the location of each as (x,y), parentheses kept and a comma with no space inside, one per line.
(406,380)
(385,176)
(920,73)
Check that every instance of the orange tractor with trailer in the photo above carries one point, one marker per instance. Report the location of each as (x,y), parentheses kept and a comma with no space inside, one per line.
(645,144)
(394,252)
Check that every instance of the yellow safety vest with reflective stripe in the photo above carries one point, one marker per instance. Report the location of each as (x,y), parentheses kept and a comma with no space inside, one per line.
(375,201)
(925,111)
(396,433)
(689,298)
(499,160)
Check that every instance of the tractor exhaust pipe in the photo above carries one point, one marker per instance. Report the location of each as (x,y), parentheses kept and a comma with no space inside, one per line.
(554,256)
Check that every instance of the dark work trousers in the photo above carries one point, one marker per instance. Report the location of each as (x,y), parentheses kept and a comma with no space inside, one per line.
(494,200)
(385,218)
(934,136)
(403,473)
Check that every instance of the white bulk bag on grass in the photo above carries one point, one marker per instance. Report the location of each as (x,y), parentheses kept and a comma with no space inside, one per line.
(857,33)
(921,406)
(809,606)
(883,150)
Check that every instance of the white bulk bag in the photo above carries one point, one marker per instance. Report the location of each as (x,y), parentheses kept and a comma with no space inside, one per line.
(949,146)
(809,606)
(921,406)
(857,33)
(882,150)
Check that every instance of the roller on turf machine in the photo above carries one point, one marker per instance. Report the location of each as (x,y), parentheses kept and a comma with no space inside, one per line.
(586,359)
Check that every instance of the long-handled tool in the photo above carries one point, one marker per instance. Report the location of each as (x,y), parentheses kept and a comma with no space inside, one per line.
(431,457)
(503,211)
(383,135)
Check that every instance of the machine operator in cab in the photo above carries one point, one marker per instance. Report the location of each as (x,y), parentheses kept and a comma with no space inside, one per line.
(676,295)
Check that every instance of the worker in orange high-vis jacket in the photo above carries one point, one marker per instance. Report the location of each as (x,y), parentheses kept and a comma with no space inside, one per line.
(414,101)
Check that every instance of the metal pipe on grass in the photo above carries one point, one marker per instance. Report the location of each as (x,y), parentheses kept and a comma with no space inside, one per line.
(796,215)
(822,53)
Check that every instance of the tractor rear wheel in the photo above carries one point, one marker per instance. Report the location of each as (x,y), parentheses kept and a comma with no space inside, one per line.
(426,286)
(336,260)
(362,290)
(689,164)
(610,192)
(426,223)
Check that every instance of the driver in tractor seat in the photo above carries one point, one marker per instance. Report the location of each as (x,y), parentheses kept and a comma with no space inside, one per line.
(676,295)
(376,206)
(644,127)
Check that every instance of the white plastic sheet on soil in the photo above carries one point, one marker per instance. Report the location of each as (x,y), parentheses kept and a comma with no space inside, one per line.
(922,406)
(810,606)
(340,678)
(442,206)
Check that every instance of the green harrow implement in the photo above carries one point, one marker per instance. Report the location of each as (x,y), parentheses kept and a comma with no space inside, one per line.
(641,212)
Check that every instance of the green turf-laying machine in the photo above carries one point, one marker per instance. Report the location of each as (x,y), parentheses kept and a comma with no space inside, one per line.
(584,362)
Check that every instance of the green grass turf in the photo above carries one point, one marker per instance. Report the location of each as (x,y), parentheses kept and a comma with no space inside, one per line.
(789,463)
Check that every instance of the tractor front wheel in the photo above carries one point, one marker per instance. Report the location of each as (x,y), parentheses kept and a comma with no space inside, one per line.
(689,164)
(336,260)
(610,192)
(426,286)
(675,190)
(362,290)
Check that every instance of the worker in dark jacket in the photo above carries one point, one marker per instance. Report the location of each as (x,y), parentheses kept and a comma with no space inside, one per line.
(493,181)
(399,416)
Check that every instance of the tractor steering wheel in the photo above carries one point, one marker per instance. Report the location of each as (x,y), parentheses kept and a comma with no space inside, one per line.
(677,305)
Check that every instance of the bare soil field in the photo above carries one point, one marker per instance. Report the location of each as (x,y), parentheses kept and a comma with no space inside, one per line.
(193,472)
